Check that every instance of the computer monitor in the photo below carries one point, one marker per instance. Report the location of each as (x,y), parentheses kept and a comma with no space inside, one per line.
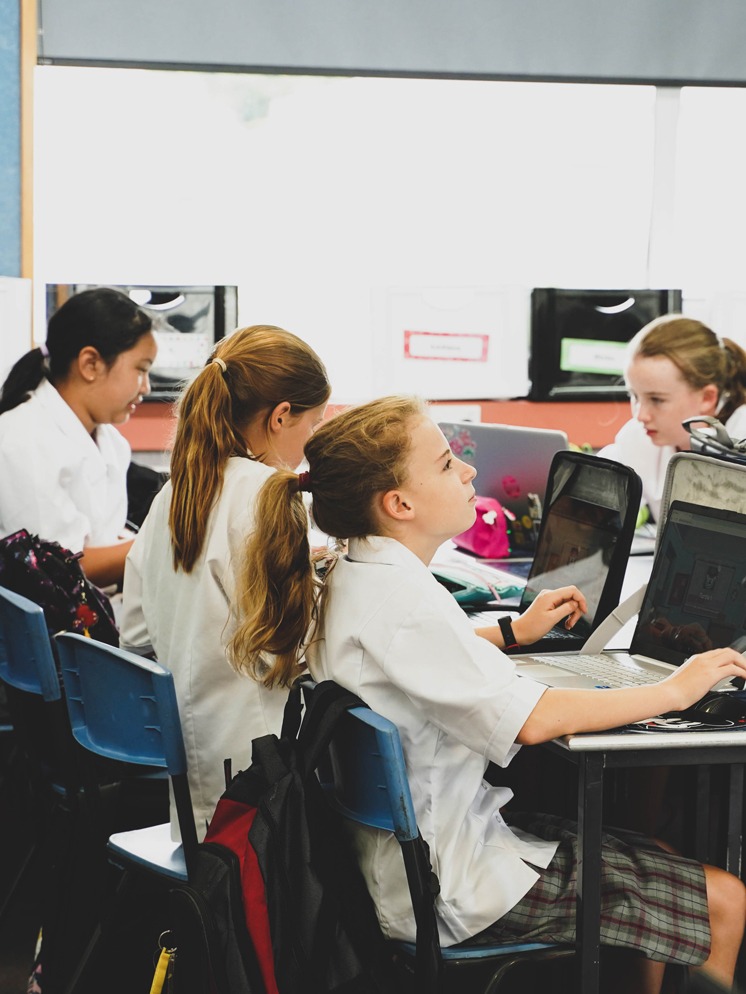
(578,339)
(187,321)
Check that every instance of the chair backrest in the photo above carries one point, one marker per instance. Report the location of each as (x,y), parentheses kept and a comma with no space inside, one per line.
(123,706)
(28,668)
(26,656)
(365,779)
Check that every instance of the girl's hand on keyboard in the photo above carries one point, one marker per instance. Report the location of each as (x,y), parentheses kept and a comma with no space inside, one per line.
(549,609)
(700,673)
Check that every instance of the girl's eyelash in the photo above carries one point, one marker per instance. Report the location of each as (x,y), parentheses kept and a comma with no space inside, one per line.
(449,463)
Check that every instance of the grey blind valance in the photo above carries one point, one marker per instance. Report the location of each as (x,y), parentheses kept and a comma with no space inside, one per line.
(666,42)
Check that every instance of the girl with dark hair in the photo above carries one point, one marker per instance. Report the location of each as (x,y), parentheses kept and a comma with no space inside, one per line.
(382,476)
(247,414)
(676,368)
(63,466)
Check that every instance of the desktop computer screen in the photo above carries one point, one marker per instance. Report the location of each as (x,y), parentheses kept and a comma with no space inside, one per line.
(578,339)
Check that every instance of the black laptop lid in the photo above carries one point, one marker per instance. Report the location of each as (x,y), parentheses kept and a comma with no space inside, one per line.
(696,596)
(587,527)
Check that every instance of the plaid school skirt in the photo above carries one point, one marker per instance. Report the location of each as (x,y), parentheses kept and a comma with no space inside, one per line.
(651,901)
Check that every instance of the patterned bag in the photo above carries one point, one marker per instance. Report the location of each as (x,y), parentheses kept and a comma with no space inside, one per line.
(52,577)
(488,536)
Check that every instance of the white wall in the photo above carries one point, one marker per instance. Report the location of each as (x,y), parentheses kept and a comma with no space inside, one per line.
(327,199)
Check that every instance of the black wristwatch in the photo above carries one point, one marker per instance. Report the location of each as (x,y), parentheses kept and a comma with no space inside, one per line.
(506,627)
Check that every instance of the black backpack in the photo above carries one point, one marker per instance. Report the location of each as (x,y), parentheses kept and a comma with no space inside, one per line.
(52,577)
(277,904)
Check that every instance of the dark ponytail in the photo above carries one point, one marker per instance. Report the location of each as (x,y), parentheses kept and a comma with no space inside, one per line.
(25,376)
(103,318)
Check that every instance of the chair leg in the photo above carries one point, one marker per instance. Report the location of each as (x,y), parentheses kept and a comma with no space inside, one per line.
(26,830)
(76,982)
(18,878)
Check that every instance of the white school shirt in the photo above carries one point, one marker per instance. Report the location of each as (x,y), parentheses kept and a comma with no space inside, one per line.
(393,635)
(634,448)
(185,619)
(57,480)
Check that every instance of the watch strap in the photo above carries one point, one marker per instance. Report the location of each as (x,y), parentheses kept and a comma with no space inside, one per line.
(506,627)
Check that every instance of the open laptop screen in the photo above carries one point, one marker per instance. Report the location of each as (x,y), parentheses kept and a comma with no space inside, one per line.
(511,462)
(578,539)
(696,597)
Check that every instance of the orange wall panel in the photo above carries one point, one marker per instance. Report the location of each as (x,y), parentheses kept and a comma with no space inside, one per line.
(594,423)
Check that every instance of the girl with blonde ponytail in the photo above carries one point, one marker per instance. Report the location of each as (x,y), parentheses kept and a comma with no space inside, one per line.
(379,624)
(243,420)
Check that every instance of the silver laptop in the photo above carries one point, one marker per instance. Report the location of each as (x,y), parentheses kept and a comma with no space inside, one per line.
(695,600)
(511,463)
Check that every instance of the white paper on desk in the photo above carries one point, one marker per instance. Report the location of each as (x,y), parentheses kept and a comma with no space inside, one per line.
(673,724)
(610,626)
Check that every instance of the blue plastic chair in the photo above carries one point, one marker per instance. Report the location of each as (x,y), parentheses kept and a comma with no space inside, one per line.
(123,707)
(366,780)
(26,657)
(46,762)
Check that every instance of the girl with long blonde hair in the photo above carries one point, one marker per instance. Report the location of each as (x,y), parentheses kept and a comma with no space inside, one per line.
(246,416)
(382,476)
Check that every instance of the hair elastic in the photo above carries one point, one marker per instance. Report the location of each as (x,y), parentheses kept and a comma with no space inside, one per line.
(304,482)
(44,350)
(221,363)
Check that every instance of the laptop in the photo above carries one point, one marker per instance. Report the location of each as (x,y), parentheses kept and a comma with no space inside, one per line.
(695,600)
(512,465)
(585,536)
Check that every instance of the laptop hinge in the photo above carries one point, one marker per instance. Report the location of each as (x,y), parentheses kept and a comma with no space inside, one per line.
(599,639)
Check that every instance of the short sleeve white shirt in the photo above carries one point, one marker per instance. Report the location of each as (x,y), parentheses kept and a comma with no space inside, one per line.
(394,636)
(57,480)
(185,618)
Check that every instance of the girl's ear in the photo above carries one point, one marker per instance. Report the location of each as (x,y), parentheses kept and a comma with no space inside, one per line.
(395,505)
(278,416)
(710,397)
(89,363)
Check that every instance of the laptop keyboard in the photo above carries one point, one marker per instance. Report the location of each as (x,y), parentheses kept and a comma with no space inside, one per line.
(606,672)
(560,632)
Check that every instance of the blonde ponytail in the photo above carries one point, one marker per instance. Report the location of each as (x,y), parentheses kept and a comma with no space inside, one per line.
(252,371)
(352,457)
(277,589)
(205,439)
